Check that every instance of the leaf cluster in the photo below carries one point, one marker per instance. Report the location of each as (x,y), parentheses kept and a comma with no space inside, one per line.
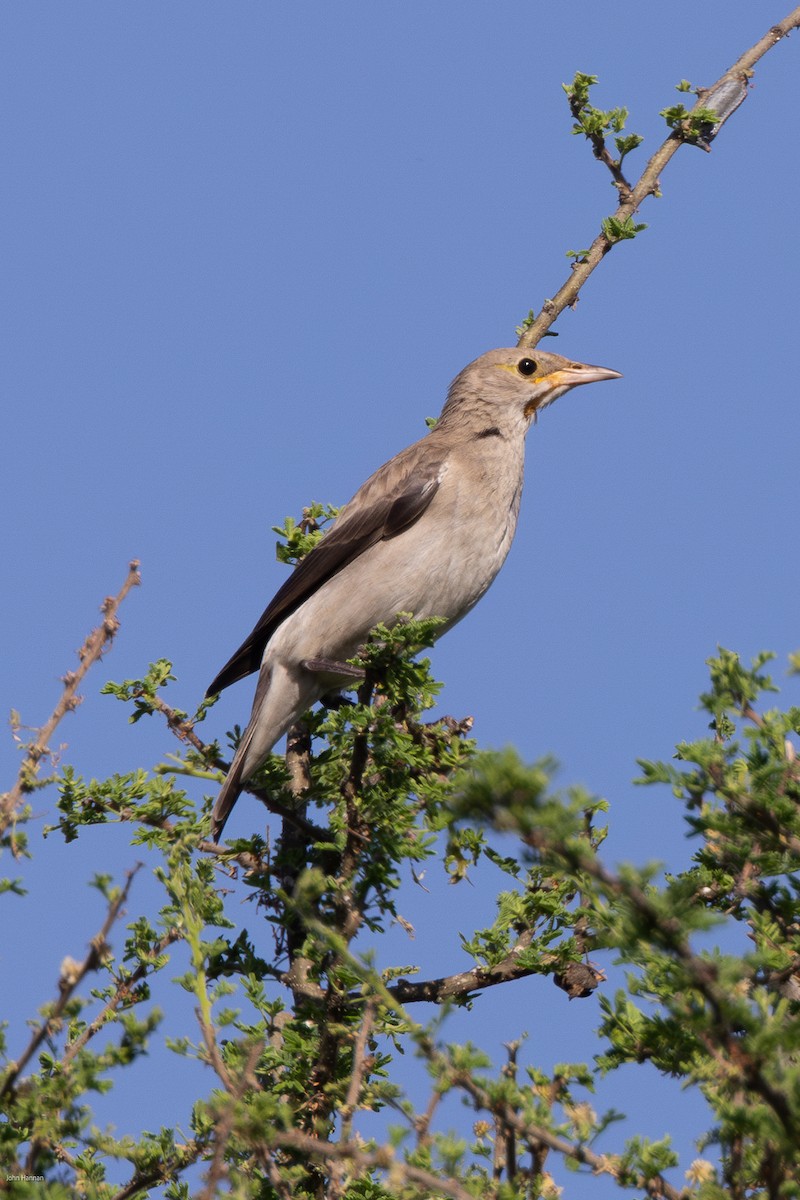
(594,123)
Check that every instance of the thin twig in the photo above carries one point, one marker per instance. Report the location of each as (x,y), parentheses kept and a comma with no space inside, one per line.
(121,996)
(90,652)
(68,984)
(533,1135)
(214,1056)
(338,1179)
(225,1121)
(648,183)
(422,1124)
(164,1171)
(359,1067)
(181,725)
(284,1189)
(600,149)
(383,1159)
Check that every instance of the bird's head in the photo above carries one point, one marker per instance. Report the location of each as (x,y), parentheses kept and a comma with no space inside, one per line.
(511,387)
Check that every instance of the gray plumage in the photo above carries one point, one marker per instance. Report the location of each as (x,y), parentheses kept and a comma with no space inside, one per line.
(426,534)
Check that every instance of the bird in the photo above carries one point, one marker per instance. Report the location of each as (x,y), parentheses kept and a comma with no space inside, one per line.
(425,535)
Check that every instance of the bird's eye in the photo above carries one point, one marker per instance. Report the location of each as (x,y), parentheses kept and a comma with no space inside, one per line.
(526,366)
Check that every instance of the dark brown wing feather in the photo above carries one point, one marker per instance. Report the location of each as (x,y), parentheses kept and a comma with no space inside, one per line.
(391,500)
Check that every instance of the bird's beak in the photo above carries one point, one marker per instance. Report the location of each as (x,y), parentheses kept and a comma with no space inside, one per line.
(550,387)
(576,373)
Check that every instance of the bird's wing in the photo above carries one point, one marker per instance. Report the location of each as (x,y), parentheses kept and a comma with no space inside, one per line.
(391,500)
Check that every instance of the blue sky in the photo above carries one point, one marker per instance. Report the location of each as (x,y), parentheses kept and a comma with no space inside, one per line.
(246,247)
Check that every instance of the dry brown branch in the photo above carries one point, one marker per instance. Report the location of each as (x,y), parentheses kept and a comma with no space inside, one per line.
(717,97)
(72,974)
(90,652)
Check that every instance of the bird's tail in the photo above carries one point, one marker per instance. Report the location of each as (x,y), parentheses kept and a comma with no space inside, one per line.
(281,697)
(237,774)
(229,794)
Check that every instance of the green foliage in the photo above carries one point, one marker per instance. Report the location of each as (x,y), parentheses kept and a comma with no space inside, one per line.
(693,125)
(528,321)
(302,1041)
(594,123)
(525,323)
(297,538)
(617,230)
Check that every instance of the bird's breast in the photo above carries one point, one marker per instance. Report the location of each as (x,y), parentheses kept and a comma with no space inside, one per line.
(438,567)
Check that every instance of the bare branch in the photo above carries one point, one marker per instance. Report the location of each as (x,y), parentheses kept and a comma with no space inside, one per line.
(90,652)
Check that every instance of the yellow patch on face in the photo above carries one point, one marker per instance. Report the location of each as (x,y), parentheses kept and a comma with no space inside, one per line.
(555,379)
